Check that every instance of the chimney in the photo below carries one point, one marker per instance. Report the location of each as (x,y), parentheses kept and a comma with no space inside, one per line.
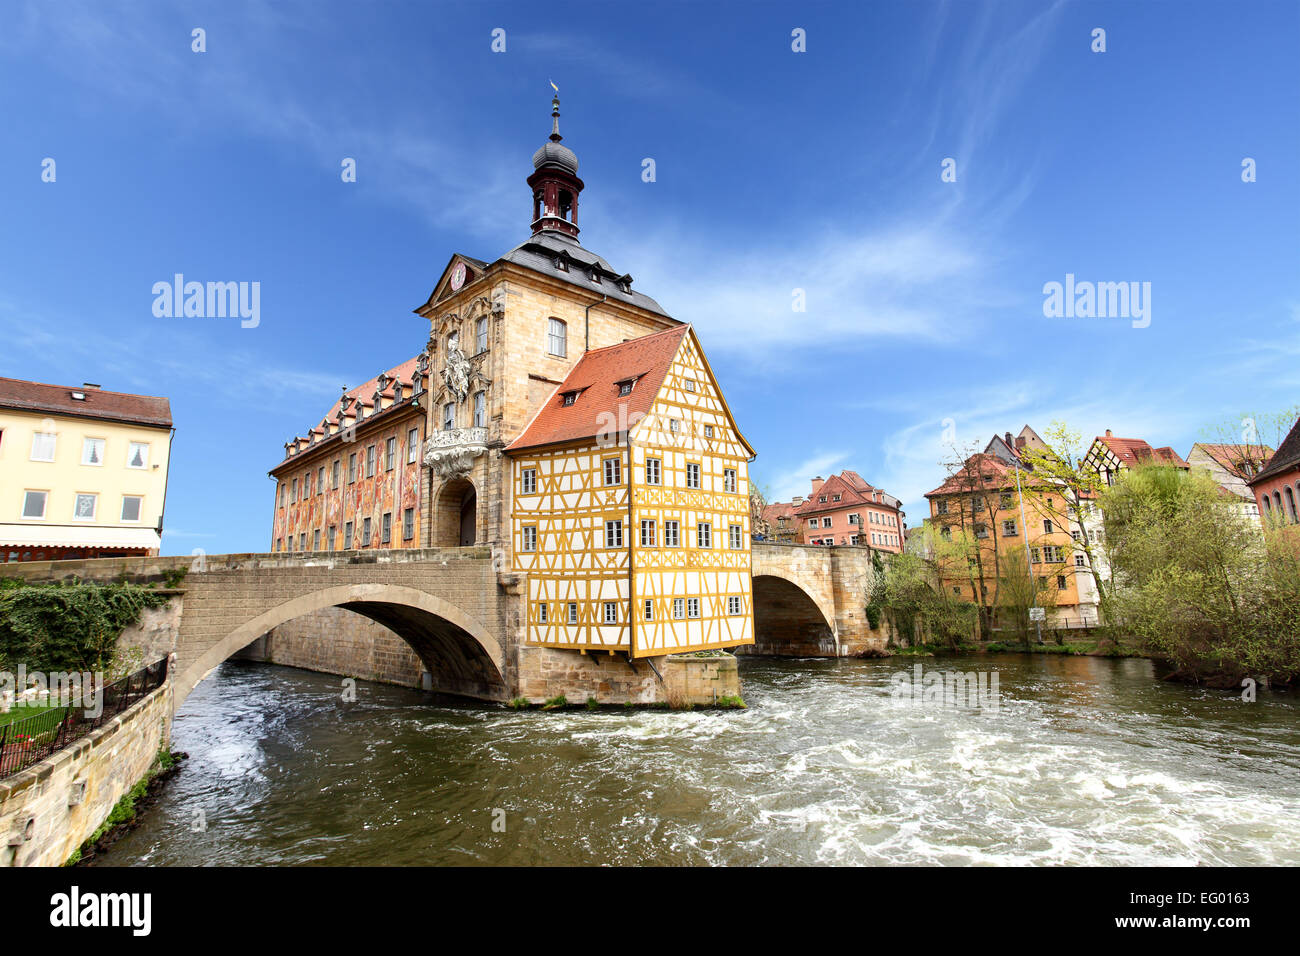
(797,500)
(816,484)
(1108,433)
(1020,442)
(89,385)
(1008,439)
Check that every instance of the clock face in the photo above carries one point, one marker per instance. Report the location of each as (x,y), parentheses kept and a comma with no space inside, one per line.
(458,276)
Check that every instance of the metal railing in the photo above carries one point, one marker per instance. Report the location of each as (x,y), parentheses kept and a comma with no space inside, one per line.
(31,739)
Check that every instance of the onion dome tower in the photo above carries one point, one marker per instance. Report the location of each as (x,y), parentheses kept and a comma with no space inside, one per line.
(555,183)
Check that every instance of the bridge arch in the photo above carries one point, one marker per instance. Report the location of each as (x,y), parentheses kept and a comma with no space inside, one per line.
(790,619)
(452,644)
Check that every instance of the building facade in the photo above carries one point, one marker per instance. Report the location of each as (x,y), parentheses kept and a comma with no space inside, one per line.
(1232,466)
(83,471)
(845,509)
(1277,485)
(631,505)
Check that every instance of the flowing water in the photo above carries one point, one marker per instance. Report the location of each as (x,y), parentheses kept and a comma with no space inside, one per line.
(1083,761)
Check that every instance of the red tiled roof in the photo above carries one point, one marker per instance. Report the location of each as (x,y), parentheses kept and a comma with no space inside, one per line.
(976,466)
(1231,457)
(852,489)
(777,510)
(1134,451)
(595,378)
(38,397)
(1286,458)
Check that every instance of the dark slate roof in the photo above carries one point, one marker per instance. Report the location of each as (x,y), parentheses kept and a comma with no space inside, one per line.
(1284,459)
(555,154)
(542,253)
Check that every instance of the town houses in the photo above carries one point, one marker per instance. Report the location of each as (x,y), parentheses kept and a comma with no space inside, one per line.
(843,509)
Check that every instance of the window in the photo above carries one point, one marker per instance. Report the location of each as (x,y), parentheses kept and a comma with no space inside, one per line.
(412,446)
(692,475)
(1079,561)
(92,451)
(653,471)
(528,481)
(613,534)
(613,471)
(352,468)
(279,544)
(293,491)
(704,535)
(334,474)
(34,504)
(1004,501)
(85,508)
(690,385)
(826,522)
(131,507)
(282,490)
(370,461)
(708,431)
(530,537)
(43,446)
(625,388)
(568,398)
(649,610)
(945,533)
(480,335)
(138,454)
(977,502)
(1060,582)
(329,540)
(648,528)
(812,522)
(320,480)
(729,480)
(408,524)
(448,417)
(1074,536)
(674,425)
(1037,556)
(347,536)
(611,612)
(836,497)
(733,537)
(672,534)
(302,541)
(1008,529)
(1047,526)
(573,613)
(386,528)
(390,454)
(855,519)
(692,607)
(822,499)
(943,507)
(480,409)
(981,531)
(733,604)
(365,533)
(315,540)
(556,337)
(306,486)
(542,612)
(679,607)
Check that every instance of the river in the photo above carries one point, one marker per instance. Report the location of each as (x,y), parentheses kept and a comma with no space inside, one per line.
(1083,761)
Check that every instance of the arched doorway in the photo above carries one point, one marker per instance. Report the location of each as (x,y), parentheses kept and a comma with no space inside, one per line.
(456,515)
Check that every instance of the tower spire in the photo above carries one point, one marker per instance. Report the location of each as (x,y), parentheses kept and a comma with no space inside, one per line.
(554,182)
(555,114)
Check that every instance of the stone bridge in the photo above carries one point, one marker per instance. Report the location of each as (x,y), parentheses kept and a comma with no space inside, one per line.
(460,615)
(810,601)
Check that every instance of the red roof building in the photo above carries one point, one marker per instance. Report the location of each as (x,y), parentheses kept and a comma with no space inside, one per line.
(847,509)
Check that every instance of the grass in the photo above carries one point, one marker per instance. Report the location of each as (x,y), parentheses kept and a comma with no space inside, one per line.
(27,710)
(124,811)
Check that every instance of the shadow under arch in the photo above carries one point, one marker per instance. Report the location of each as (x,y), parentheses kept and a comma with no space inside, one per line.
(454,646)
(788,622)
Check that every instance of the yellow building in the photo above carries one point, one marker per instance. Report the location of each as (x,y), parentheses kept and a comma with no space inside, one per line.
(83,471)
(630,505)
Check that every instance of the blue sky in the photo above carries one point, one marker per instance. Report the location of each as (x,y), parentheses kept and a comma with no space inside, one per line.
(775,170)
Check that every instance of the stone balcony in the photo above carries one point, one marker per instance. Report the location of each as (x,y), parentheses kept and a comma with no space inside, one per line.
(451,452)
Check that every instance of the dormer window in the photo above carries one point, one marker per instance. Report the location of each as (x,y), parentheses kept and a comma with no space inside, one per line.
(595,276)
(78,396)
(625,388)
(568,398)
(822,499)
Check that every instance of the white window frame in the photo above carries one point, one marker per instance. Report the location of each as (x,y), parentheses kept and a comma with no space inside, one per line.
(733,604)
(649,609)
(528,481)
(613,467)
(88,443)
(139,515)
(54,445)
(529,544)
(542,613)
(729,480)
(614,530)
(654,471)
(735,539)
(673,531)
(557,338)
(679,609)
(573,612)
(94,505)
(704,534)
(692,471)
(649,533)
(412,447)
(45,504)
(611,612)
(480,409)
(130,446)
(693,608)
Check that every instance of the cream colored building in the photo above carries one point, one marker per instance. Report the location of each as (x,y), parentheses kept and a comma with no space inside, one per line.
(83,471)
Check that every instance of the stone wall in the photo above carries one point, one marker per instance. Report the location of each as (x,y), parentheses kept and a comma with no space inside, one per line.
(48,810)
(337,641)
(700,681)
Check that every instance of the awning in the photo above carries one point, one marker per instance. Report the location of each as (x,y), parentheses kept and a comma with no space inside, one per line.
(72,536)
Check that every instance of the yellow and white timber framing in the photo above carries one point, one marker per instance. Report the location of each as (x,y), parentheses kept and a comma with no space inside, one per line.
(680,577)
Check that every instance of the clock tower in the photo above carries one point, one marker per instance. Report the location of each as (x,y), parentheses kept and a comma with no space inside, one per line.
(555,183)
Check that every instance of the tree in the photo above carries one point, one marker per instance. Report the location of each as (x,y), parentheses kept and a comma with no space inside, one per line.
(913,589)
(1062,486)
(1019,590)
(1250,439)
